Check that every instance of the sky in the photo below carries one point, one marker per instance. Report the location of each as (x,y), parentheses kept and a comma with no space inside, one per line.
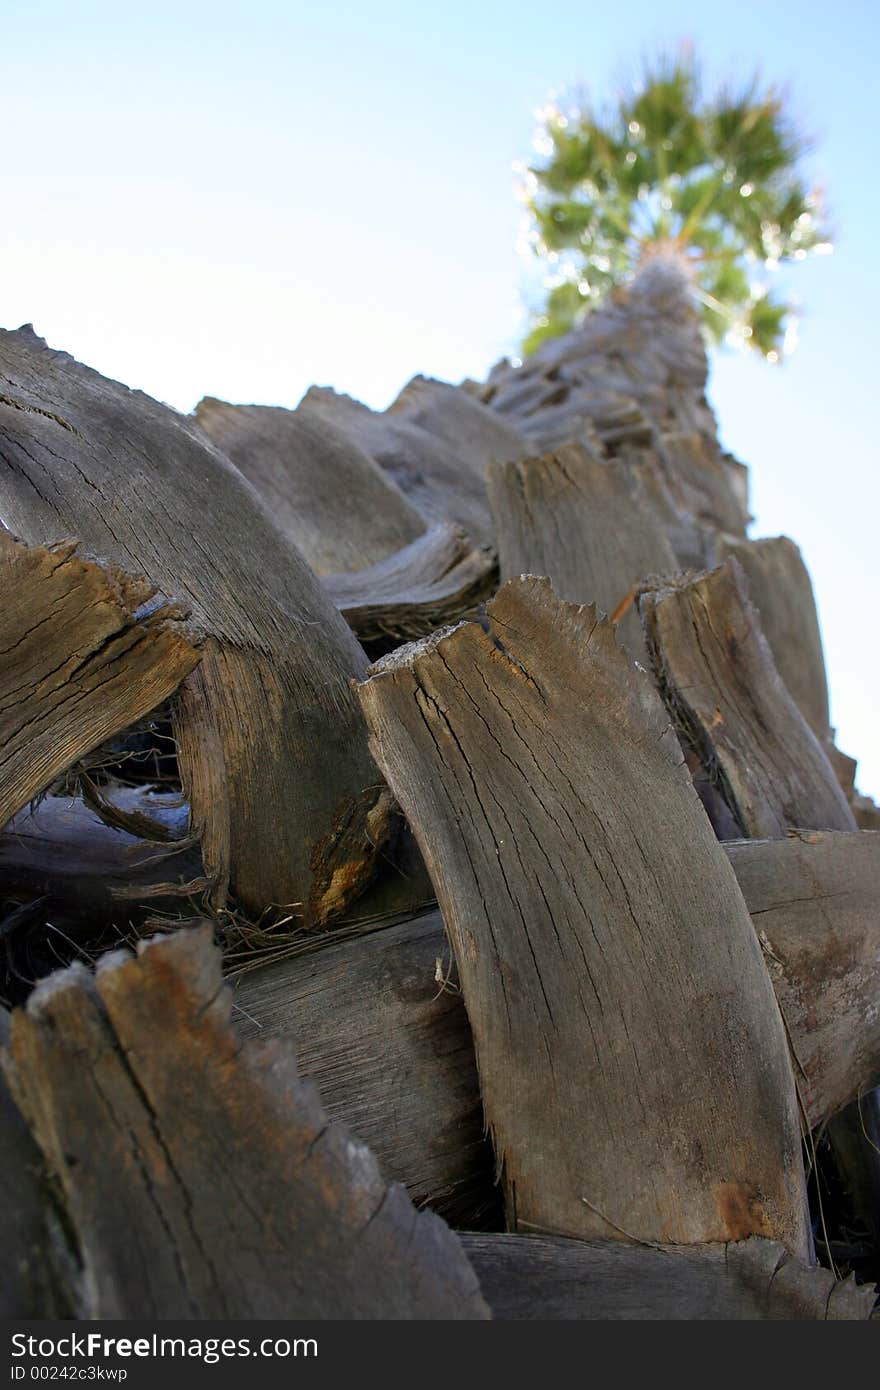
(244,200)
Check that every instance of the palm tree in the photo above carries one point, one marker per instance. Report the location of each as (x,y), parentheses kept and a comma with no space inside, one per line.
(714,184)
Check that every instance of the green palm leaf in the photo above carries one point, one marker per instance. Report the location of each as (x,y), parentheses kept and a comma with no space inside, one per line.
(715,182)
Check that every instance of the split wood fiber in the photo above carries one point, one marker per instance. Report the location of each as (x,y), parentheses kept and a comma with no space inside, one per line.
(548,1277)
(716,671)
(437,579)
(378,1021)
(83,456)
(437,478)
(779,586)
(85,654)
(91,874)
(200,1175)
(633,1062)
(815,904)
(576,519)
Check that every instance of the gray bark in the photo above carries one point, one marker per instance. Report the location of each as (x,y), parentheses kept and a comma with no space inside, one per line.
(548,1277)
(201,1176)
(437,579)
(142,486)
(717,675)
(615,988)
(86,654)
(583,523)
(336,505)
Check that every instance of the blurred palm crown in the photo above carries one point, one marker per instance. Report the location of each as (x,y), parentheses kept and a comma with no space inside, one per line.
(715,184)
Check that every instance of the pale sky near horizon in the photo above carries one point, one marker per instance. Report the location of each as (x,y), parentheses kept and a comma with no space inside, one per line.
(243,200)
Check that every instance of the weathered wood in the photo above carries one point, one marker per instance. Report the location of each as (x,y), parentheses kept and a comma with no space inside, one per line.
(549,1277)
(630,379)
(35,1252)
(438,479)
(89,873)
(437,579)
(200,1174)
(615,987)
(549,415)
(476,434)
(866,812)
(85,654)
(577,520)
(402,886)
(845,769)
(642,347)
(716,672)
(815,904)
(336,504)
(658,490)
(84,456)
(780,588)
(704,481)
(390,1047)
(377,1023)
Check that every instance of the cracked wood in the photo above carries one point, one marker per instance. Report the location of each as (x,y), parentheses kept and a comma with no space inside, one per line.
(717,675)
(580,521)
(780,588)
(815,904)
(437,579)
(390,1045)
(200,1175)
(81,455)
(616,990)
(85,654)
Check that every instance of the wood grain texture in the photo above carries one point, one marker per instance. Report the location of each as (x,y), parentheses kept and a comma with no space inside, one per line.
(477,435)
(549,1277)
(580,521)
(85,654)
(143,486)
(702,480)
(720,683)
(391,1050)
(200,1174)
(660,493)
(388,1045)
(440,480)
(437,579)
(780,588)
(815,904)
(615,988)
(639,356)
(333,501)
(92,874)
(35,1251)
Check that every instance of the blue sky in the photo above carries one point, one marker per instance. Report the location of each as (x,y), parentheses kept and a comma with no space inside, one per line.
(242,200)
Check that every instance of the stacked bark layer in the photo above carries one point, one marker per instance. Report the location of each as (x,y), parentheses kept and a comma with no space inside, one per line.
(471,901)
